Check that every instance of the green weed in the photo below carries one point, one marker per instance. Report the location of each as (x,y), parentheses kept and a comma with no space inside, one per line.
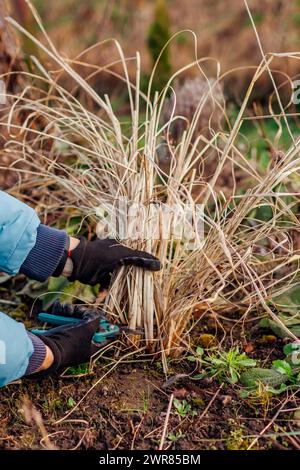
(225,366)
(183,408)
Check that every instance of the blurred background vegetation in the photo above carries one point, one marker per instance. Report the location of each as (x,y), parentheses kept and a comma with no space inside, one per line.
(223,29)
(219,33)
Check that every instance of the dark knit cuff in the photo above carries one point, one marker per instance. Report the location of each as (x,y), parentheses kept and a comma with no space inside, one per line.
(46,254)
(38,356)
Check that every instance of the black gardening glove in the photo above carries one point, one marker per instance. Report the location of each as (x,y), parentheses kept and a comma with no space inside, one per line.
(71,344)
(94,261)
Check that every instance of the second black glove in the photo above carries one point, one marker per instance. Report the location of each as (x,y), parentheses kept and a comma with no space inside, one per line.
(71,344)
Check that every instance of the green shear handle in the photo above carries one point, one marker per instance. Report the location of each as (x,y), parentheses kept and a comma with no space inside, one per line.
(106,330)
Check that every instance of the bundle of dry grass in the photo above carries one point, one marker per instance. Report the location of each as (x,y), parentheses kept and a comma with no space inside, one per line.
(95,161)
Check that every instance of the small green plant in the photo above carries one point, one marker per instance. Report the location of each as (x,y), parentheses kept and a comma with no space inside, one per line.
(81,369)
(236,440)
(175,437)
(269,377)
(145,401)
(275,379)
(226,366)
(197,357)
(71,402)
(183,408)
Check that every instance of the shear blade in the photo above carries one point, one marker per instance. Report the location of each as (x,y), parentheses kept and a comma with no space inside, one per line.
(130,331)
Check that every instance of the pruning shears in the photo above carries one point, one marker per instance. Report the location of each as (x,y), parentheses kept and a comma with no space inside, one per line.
(107,331)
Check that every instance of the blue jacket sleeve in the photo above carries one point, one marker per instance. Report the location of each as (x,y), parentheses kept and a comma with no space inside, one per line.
(15,350)
(35,250)
(18,229)
(26,245)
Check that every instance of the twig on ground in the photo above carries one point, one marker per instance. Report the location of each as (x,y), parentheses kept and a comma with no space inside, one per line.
(136,430)
(211,401)
(161,445)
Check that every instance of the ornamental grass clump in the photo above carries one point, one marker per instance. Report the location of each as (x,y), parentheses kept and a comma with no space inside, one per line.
(219,256)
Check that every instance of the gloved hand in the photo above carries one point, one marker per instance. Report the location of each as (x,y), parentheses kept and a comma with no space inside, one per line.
(94,261)
(71,344)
